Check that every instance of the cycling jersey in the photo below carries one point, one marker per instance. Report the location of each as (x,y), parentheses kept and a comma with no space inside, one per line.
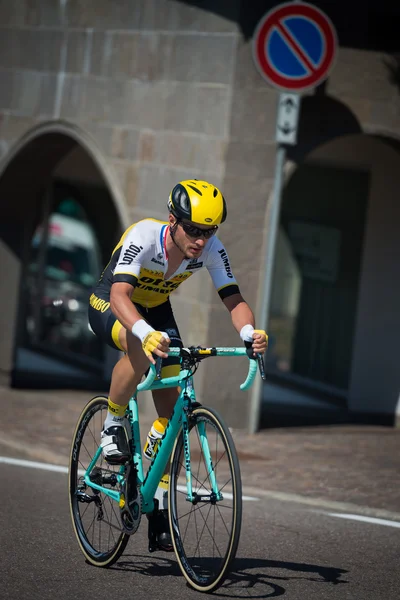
(141,259)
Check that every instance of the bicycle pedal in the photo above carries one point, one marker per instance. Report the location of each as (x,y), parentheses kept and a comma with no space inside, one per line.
(115,461)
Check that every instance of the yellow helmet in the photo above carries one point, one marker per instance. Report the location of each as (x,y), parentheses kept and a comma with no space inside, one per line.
(197,201)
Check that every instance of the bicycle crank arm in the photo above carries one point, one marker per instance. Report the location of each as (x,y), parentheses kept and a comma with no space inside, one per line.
(130,502)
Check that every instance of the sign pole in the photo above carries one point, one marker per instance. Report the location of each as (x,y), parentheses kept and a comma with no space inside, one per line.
(264,309)
(286,133)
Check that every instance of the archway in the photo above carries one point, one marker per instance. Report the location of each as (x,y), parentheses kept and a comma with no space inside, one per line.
(334,323)
(61,217)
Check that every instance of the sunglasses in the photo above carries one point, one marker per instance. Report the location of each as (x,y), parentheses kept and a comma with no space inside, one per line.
(196,232)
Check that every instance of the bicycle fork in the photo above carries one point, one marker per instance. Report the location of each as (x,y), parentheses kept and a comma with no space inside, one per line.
(195,497)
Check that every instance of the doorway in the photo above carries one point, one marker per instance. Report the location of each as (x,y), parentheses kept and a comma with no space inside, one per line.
(316,280)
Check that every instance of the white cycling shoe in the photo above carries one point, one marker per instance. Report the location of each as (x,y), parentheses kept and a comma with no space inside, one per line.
(115,445)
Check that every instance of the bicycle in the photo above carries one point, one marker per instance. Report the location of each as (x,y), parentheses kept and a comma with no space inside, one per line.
(107,501)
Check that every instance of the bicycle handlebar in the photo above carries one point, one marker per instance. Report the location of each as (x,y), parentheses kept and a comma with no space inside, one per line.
(154,370)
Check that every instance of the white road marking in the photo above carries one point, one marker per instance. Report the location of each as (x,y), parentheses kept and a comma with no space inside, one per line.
(33,464)
(60,469)
(365,519)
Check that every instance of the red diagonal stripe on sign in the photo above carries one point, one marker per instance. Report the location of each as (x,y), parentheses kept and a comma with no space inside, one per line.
(300,54)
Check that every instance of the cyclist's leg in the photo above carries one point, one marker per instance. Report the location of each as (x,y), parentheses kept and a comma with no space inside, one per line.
(126,375)
(164,401)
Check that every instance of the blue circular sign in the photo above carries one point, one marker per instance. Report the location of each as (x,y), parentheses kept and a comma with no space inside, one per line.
(294,46)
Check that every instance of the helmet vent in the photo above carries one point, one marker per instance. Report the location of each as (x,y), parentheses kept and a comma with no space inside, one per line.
(215,192)
(195,189)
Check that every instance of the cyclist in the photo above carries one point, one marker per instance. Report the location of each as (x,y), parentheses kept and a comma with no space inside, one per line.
(130,308)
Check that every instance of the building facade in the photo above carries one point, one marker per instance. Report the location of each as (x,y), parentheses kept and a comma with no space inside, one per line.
(104,106)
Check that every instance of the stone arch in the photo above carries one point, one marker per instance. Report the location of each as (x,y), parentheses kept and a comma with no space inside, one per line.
(25,174)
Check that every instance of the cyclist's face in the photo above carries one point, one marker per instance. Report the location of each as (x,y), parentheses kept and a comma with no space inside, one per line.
(189,239)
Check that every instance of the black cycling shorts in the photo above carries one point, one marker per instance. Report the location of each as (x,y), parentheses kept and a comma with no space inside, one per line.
(107,327)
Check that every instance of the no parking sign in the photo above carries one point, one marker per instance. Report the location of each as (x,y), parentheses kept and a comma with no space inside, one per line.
(294,46)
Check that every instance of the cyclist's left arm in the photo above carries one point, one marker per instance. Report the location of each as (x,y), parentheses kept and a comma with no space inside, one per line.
(244,323)
(219,267)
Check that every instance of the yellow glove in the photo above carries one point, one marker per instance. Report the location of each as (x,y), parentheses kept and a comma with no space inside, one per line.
(253,346)
(151,341)
(262,333)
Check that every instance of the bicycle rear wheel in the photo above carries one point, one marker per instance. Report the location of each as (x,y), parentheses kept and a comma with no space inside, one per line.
(95,516)
(205,531)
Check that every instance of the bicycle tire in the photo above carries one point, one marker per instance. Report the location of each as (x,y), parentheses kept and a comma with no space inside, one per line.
(204,565)
(90,518)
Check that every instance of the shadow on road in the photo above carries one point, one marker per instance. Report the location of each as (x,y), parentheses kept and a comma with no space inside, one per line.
(243,579)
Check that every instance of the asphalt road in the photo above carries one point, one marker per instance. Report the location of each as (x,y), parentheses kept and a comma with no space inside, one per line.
(286,549)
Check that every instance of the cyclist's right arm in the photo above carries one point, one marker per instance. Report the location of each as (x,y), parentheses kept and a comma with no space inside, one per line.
(127,314)
(125,277)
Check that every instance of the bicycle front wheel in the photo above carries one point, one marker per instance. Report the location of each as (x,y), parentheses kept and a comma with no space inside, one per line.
(95,516)
(205,529)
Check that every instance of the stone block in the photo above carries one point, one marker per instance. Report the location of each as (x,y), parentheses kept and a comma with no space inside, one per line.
(15,127)
(384,117)
(103,14)
(30,49)
(102,99)
(144,104)
(100,51)
(6,89)
(202,58)
(211,16)
(78,48)
(42,50)
(200,153)
(203,108)
(362,74)
(254,114)
(27,13)
(250,159)
(125,143)
(147,143)
(10,49)
(102,135)
(33,94)
(72,97)
(143,56)
(131,184)
(246,73)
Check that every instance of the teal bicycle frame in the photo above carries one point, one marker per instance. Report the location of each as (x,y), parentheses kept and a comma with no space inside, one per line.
(147,484)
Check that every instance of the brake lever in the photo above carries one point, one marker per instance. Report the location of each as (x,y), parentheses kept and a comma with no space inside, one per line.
(259,358)
(158,367)
(260,362)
